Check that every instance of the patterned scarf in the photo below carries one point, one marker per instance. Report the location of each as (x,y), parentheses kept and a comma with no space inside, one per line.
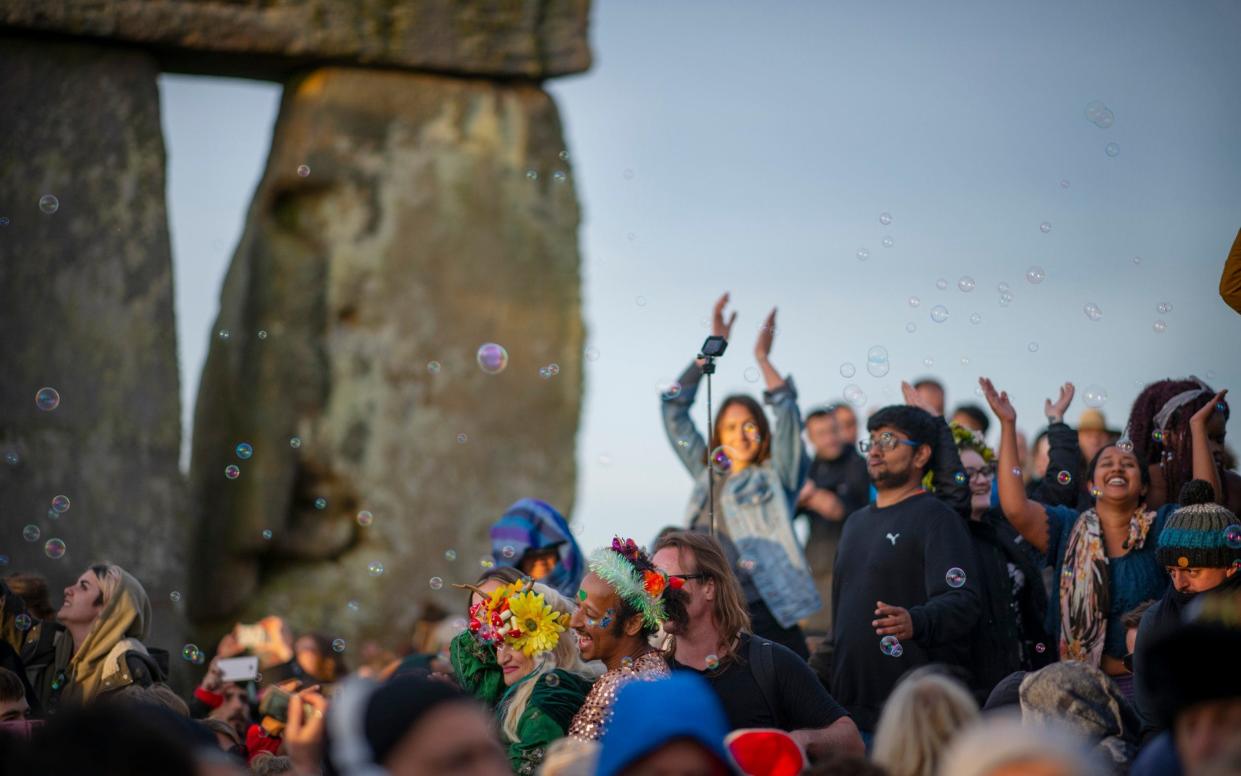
(1085,597)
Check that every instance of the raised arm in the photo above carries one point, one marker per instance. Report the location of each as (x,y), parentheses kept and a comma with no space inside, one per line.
(788,453)
(1063,453)
(1028,517)
(1204,462)
(945,460)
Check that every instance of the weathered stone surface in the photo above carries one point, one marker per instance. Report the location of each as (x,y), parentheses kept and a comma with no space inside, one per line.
(420,233)
(86,307)
(271,38)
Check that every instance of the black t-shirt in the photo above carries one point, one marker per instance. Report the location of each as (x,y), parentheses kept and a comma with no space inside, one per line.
(900,555)
(801,700)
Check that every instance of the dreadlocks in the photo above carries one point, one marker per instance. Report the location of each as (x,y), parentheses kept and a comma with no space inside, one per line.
(1170,447)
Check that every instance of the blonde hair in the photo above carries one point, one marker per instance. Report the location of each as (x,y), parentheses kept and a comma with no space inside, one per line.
(1003,741)
(918,721)
(109,576)
(565,657)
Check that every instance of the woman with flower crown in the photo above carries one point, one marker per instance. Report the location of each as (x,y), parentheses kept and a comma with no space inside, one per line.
(543,672)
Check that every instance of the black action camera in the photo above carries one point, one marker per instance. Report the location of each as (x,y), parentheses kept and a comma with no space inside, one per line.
(714,347)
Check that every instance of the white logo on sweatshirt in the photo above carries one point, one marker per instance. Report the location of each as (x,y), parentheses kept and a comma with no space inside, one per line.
(892,538)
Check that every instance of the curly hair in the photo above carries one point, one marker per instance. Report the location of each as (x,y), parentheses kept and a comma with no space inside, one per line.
(1174,455)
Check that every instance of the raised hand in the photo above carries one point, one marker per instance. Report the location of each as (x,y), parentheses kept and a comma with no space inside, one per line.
(766,335)
(999,402)
(1200,418)
(892,621)
(303,734)
(719,327)
(914,399)
(1055,410)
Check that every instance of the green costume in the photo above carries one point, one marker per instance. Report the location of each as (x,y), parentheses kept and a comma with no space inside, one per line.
(477,671)
(546,719)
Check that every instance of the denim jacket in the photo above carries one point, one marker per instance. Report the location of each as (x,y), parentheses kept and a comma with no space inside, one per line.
(758,503)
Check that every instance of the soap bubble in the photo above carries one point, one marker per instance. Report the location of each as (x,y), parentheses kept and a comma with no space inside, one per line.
(1040,647)
(1003,287)
(295,442)
(1163,308)
(891,646)
(434,367)
(713,662)
(1137,261)
(462,439)
(559,176)
(54,549)
(47,399)
(23,621)
(626,662)
(190,653)
(486,562)
(353,606)
(60,504)
(1092,311)
(31,533)
(911,327)
(955,577)
(508,551)
(1125,445)
(854,395)
(975,318)
(1045,227)
(960,478)
(640,301)
(1032,347)
(1160,326)
(847,370)
(49,204)
(1016,471)
(375,568)
(592,354)
(553,369)
(224,334)
(966,284)
(232,471)
(1064,478)
(1111,149)
(722,459)
(877,354)
(941,284)
(1157,436)
(939,313)
(1035,275)
(365,518)
(965,360)
(885,218)
(321,503)
(1064,183)
(175,597)
(1232,536)
(863,254)
(262,334)
(436,583)
(878,368)
(492,358)
(12,458)
(532,175)
(888,242)
(670,390)
(338,645)
(551,679)
(1095,396)
(1006,298)
(914,301)
(244,450)
(267,534)
(751,375)
(450,555)
(303,170)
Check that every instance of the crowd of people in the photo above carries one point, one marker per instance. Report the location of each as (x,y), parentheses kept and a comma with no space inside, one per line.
(1070,607)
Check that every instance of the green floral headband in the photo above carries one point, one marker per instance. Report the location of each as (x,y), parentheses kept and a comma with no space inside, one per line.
(642,589)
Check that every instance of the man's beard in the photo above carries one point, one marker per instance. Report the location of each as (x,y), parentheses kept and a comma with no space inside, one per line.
(891,478)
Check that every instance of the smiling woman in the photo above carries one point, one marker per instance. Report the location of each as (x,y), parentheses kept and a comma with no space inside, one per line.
(1104,557)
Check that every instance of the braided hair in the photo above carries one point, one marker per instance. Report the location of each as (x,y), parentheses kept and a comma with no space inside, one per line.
(1152,444)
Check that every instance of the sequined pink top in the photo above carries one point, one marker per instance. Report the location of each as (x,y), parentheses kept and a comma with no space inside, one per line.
(592,719)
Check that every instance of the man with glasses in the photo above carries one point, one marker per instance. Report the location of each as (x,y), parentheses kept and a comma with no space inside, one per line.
(760,684)
(903,594)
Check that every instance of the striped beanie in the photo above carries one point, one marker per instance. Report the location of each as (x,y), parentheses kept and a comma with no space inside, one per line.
(1200,536)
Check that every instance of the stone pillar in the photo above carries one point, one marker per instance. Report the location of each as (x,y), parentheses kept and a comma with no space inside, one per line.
(86,308)
(431,215)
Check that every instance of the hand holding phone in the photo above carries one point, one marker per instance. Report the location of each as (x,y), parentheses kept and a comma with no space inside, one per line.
(238,669)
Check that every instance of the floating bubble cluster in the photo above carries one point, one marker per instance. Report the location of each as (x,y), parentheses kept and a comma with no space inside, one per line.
(492,358)
(955,577)
(1095,396)
(891,646)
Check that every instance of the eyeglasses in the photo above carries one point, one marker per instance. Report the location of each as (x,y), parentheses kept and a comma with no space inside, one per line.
(886,441)
(985,471)
(686,577)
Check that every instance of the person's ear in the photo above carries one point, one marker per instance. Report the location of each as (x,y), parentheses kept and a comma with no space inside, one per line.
(922,456)
(1231,570)
(708,590)
(633,626)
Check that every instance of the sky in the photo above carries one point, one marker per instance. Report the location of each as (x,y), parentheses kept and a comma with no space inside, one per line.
(754,148)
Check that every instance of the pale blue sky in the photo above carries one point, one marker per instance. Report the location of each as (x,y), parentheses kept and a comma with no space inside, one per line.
(762,143)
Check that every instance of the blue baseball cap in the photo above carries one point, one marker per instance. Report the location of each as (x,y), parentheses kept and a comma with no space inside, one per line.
(647,715)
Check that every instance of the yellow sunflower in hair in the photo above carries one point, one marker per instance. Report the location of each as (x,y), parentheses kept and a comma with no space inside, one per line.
(536,626)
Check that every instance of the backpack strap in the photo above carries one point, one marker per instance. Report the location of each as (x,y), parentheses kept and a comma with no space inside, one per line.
(763,668)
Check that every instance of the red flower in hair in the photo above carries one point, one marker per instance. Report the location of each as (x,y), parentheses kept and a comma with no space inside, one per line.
(654,583)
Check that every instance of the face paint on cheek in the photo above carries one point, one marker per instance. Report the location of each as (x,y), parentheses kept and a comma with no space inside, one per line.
(607,618)
(581,595)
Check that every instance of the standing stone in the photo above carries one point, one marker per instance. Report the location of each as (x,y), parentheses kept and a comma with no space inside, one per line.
(86,308)
(430,215)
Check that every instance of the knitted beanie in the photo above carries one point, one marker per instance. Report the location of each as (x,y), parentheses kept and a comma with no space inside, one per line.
(1200,536)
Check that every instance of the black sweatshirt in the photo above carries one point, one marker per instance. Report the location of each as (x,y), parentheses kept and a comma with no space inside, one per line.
(900,555)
